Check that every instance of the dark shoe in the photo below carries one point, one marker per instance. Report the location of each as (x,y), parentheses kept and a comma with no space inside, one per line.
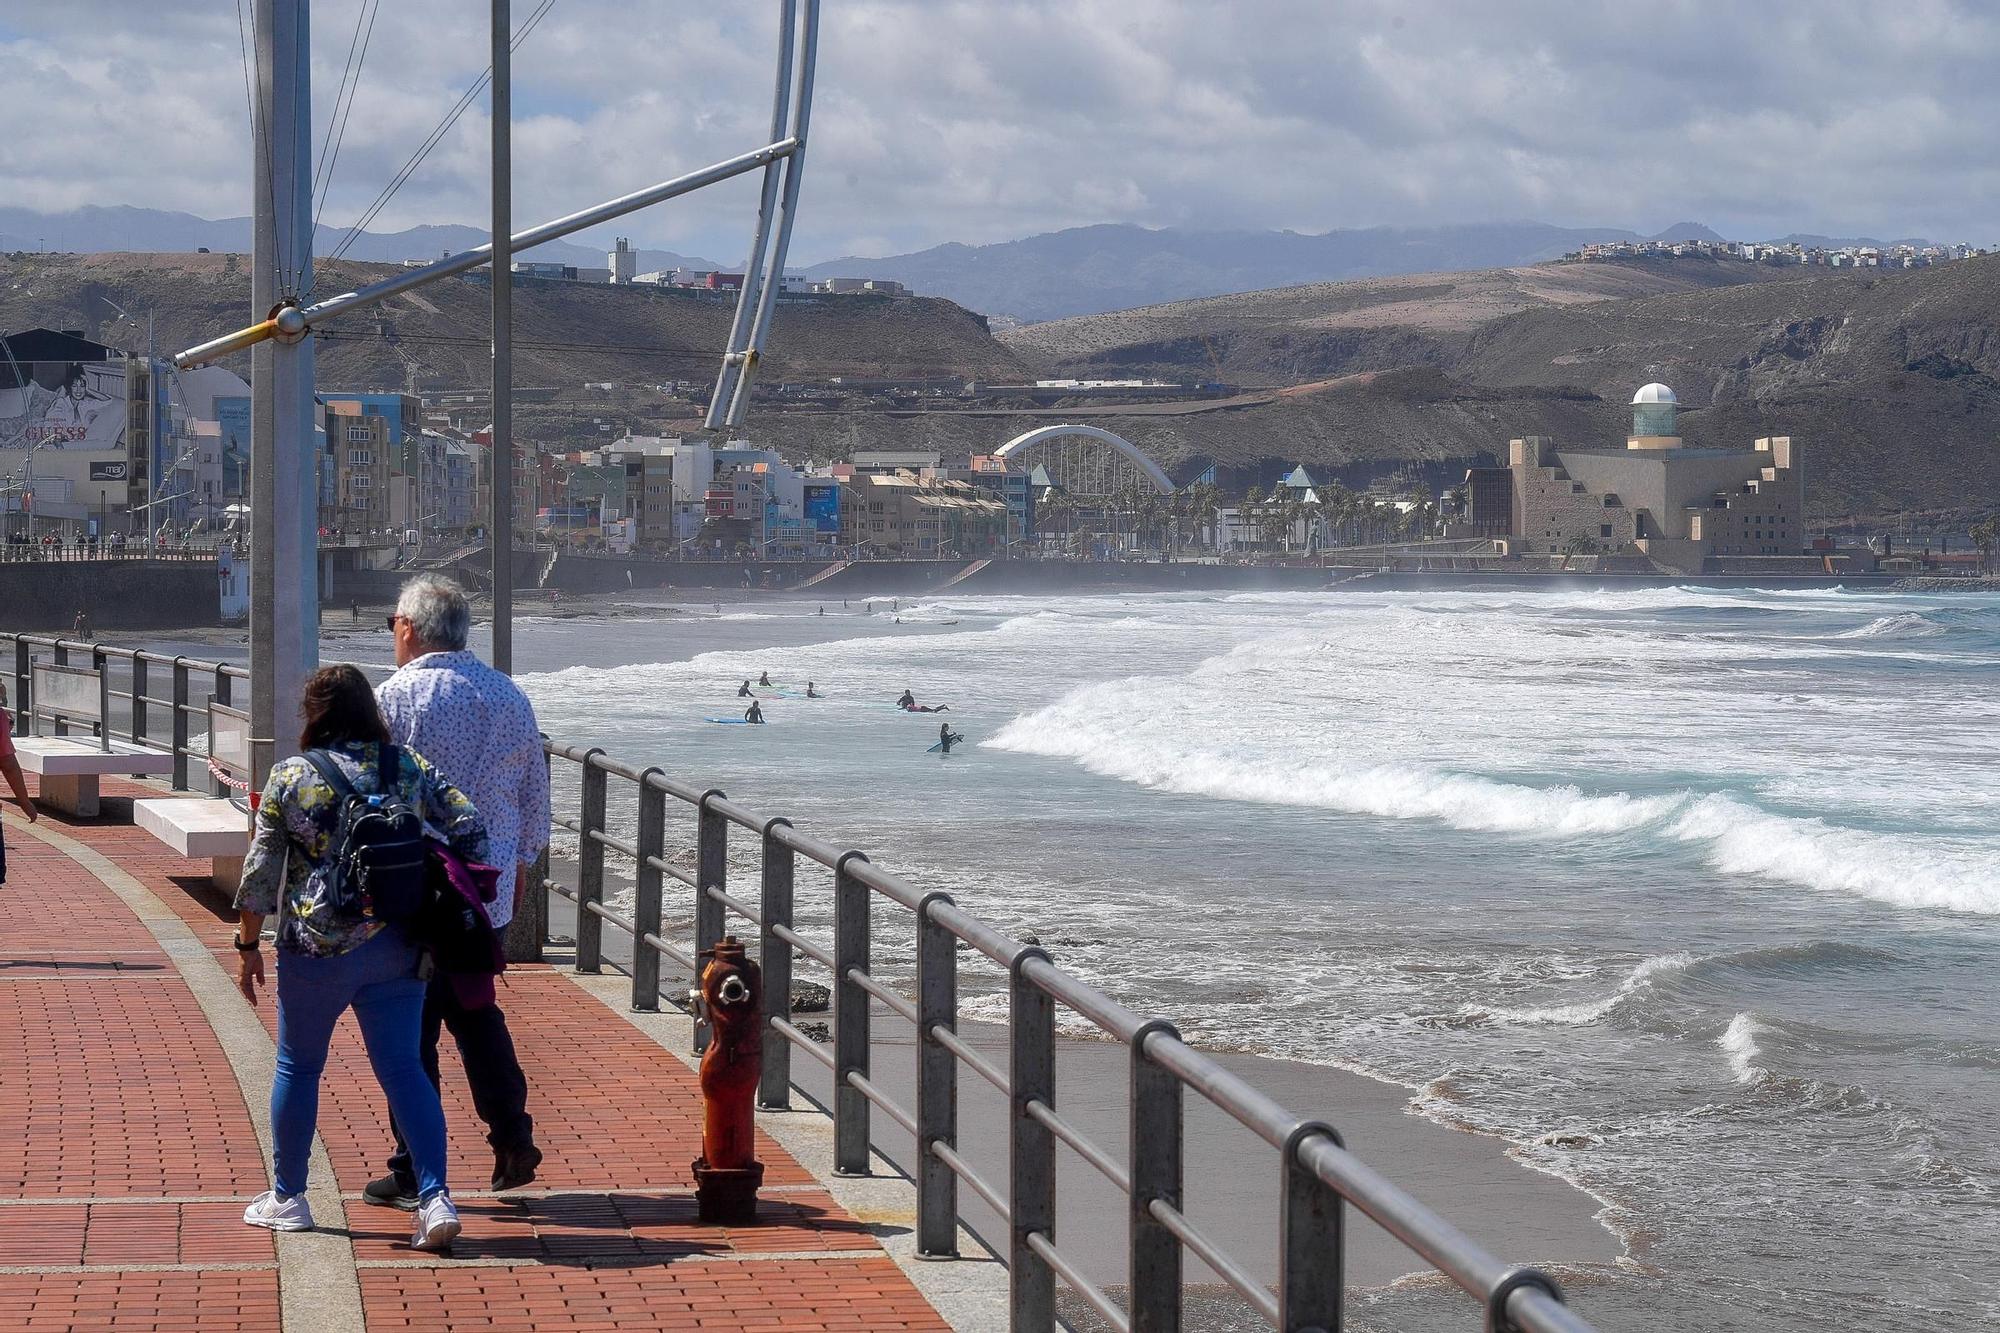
(515,1167)
(389,1192)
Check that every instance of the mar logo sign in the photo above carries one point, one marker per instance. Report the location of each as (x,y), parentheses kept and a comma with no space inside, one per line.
(112,471)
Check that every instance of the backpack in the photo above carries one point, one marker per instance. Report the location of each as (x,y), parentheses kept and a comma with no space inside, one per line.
(380,865)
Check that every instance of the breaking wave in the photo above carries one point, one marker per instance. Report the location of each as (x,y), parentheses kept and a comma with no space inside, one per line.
(1640,979)
(1739,1046)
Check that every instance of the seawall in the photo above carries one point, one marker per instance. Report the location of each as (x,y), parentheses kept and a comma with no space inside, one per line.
(39,596)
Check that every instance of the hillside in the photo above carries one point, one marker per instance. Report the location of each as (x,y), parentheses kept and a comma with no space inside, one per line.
(1891,379)
(566,333)
(1087,270)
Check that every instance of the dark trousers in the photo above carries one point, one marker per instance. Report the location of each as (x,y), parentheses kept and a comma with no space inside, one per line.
(499,1088)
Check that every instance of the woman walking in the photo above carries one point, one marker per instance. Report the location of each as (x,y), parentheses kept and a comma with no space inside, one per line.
(332,958)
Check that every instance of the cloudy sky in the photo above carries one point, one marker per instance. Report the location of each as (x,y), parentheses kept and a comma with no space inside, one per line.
(983,120)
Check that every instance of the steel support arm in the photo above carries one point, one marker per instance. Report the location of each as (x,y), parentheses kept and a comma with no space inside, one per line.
(303,320)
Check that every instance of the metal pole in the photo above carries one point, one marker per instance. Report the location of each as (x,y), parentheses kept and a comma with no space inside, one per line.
(1031,1154)
(937,1083)
(647,893)
(711,870)
(501,519)
(590,866)
(284,575)
(850,1018)
(774,1082)
(1154,1145)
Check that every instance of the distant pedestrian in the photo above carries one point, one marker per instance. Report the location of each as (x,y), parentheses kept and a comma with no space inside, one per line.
(477,726)
(81,627)
(331,956)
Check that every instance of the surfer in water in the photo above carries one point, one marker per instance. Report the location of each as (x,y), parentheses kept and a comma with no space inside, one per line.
(947,737)
(754,713)
(812,693)
(908,703)
(743,690)
(764,679)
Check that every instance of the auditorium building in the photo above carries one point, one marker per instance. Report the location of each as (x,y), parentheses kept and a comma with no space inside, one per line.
(1655,496)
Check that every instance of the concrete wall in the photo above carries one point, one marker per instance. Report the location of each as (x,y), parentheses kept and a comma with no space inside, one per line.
(38,596)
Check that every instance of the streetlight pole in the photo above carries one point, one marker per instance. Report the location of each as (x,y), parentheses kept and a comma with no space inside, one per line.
(284,573)
(502,524)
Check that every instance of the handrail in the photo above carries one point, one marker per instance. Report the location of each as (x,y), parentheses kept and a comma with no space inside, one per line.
(1320,1175)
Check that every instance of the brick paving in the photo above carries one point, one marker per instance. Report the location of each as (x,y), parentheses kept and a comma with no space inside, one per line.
(121,1119)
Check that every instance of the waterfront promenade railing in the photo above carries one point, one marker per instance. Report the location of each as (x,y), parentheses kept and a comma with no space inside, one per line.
(1320,1178)
(175,721)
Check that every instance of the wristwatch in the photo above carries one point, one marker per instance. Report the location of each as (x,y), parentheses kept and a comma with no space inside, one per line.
(251,947)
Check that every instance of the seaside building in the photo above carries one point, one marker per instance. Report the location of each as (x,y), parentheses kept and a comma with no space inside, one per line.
(904,514)
(1655,496)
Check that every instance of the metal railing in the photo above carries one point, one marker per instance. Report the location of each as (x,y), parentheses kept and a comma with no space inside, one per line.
(1319,1176)
(130,676)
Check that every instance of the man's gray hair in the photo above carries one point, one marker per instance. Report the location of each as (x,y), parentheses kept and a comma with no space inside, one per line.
(438,613)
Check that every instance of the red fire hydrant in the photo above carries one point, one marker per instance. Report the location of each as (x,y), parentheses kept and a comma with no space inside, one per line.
(728,1173)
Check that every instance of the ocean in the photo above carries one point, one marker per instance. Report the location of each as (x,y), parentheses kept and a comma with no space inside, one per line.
(1692,896)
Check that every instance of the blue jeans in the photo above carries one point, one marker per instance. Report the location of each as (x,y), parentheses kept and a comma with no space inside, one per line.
(379,981)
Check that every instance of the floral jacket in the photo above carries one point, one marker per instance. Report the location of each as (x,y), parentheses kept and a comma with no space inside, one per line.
(291,847)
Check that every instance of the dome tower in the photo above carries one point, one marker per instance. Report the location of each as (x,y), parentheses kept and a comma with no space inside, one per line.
(1653,423)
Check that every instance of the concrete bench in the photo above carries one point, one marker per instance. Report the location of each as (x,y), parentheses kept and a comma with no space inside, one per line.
(70,769)
(200,828)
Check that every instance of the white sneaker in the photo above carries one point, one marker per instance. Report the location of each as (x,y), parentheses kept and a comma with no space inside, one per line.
(273,1210)
(437,1224)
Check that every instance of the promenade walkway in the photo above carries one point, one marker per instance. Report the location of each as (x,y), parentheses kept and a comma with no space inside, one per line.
(133,1128)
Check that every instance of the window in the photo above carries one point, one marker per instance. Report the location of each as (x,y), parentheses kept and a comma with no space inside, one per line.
(1604,530)
(360,457)
(360,435)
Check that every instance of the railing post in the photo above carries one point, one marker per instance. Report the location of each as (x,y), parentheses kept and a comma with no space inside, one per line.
(774,1082)
(647,893)
(101,665)
(139,711)
(937,1083)
(180,727)
(590,866)
(850,1018)
(1311,1257)
(24,666)
(711,868)
(1031,1150)
(222,686)
(1155,1165)
(61,658)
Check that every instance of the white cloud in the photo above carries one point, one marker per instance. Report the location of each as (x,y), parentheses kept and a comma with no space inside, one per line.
(962,120)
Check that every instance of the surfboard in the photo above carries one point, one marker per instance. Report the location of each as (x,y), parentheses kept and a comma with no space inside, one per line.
(940,746)
(737,722)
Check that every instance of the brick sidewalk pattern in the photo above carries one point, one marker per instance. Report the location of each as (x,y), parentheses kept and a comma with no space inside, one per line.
(121,1124)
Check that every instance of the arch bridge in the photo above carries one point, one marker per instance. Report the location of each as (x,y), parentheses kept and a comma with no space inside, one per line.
(1086,460)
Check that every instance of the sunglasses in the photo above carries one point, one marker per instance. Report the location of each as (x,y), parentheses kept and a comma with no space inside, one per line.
(392,619)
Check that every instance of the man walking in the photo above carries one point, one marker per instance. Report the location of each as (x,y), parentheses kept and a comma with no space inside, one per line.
(478,730)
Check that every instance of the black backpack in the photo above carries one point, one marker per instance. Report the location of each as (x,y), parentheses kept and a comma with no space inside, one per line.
(380,863)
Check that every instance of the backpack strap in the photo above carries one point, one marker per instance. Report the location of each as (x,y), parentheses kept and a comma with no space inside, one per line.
(329,772)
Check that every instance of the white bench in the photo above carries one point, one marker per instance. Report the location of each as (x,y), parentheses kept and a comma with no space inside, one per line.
(70,769)
(199,827)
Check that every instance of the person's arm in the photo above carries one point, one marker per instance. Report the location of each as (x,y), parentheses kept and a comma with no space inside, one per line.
(10,766)
(249,962)
(263,878)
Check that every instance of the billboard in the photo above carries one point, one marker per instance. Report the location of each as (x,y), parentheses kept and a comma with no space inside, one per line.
(112,471)
(233,415)
(64,405)
(823,508)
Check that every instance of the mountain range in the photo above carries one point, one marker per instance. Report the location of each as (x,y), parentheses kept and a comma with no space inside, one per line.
(1076,271)
(95,230)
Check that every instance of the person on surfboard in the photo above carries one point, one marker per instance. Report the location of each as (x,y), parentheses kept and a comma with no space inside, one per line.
(947,737)
(754,713)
